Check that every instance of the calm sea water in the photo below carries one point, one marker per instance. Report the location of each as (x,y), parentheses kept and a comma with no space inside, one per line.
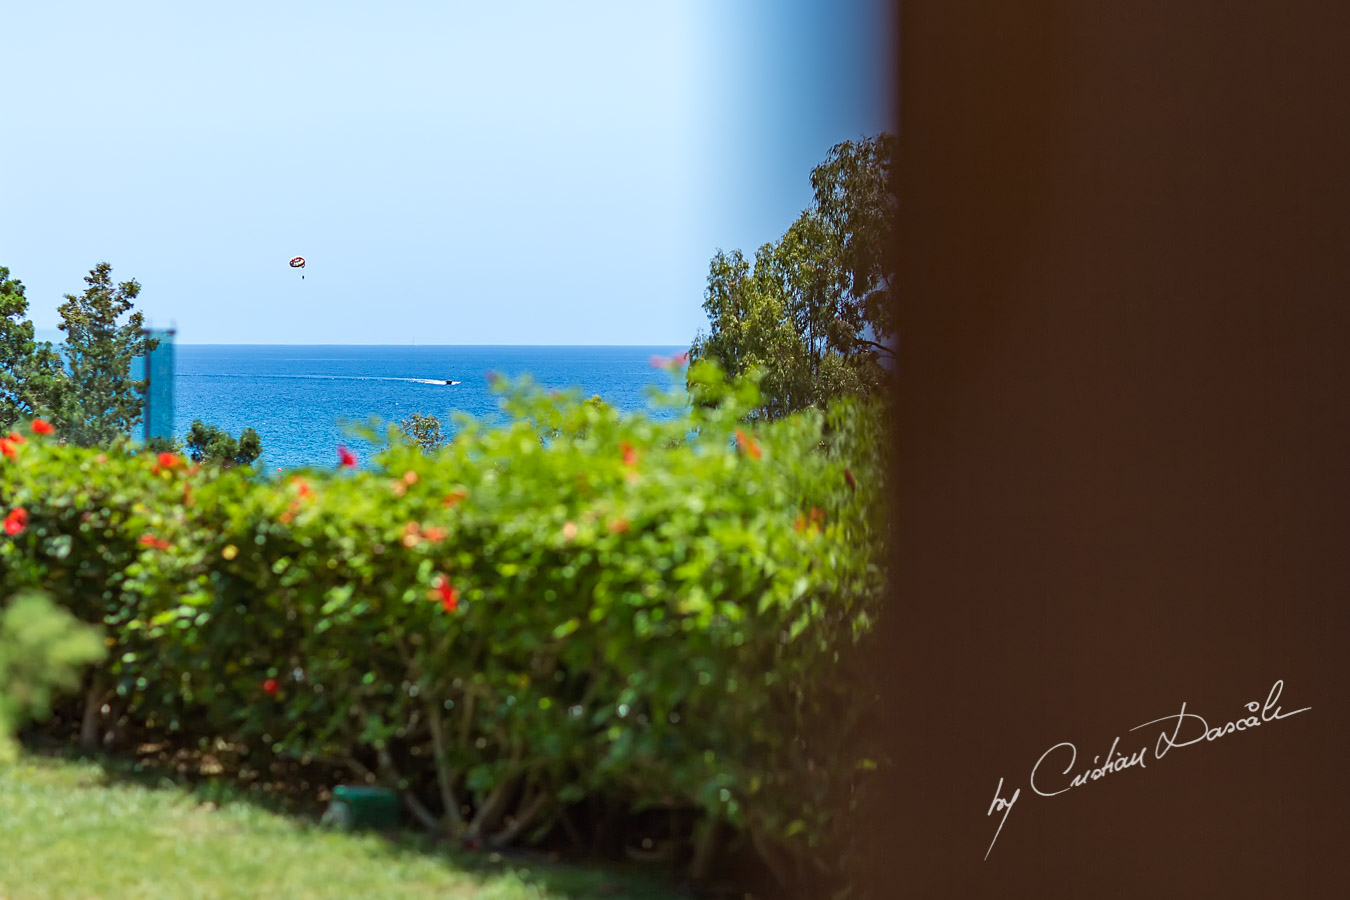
(298,397)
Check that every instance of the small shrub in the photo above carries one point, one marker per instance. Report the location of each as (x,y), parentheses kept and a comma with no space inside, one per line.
(43,651)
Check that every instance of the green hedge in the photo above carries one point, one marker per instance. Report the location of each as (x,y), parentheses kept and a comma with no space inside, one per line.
(579,603)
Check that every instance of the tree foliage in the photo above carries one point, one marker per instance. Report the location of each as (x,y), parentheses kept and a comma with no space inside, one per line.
(424,431)
(32,379)
(812,312)
(103,336)
(209,444)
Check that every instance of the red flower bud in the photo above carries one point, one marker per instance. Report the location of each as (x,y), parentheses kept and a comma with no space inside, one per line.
(270,687)
(41,427)
(747,444)
(16,521)
(448,595)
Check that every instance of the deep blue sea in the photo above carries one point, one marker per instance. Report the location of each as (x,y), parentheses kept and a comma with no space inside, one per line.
(298,397)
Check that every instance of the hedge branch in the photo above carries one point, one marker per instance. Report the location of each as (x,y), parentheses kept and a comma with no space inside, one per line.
(491,810)
(565,819)
(93,712)
(409,799)
(521,821)
(778,867)
(444,776)
(705,850)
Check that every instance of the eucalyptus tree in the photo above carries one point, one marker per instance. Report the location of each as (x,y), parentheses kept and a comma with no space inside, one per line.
(812,312)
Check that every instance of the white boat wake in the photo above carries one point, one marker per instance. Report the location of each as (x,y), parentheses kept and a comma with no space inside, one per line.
(436,381)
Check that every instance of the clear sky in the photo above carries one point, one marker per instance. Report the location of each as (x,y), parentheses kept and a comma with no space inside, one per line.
(454,173)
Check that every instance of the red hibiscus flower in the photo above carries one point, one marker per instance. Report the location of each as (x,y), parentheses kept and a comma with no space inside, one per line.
(16,521)
(270,687)
(345,458)
(41,427)
(449,597)
(746,444)
(17,438)
(629,454)
(7,448)
(169,460)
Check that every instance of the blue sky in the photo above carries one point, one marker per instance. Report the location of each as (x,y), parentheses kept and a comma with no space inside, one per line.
(454,173)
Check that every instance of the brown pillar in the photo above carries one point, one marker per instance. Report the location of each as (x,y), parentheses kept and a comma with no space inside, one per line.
(1124,434)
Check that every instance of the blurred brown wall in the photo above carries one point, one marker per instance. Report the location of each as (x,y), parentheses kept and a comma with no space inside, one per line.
(1124,476)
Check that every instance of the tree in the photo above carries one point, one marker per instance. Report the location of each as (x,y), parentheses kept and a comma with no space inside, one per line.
(424,431)
(105,402)
(753,329)
(209,444)
(855,196)
(160,444)
(32,379)
(812,313)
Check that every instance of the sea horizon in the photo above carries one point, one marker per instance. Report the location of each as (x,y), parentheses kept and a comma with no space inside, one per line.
(57,336)
(303,398)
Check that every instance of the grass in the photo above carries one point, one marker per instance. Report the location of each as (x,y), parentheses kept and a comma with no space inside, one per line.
(71,829)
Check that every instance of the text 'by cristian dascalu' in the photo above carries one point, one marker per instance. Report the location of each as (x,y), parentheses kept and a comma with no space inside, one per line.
(1049,775)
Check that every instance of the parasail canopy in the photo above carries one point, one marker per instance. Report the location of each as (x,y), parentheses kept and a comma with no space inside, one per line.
(298,262)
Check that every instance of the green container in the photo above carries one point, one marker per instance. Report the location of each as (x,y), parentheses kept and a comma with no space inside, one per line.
(355,808)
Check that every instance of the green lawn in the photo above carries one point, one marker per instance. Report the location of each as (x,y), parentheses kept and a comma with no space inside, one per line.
(68,830)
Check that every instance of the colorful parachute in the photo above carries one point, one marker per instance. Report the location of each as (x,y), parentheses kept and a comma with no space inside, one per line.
(298,263)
